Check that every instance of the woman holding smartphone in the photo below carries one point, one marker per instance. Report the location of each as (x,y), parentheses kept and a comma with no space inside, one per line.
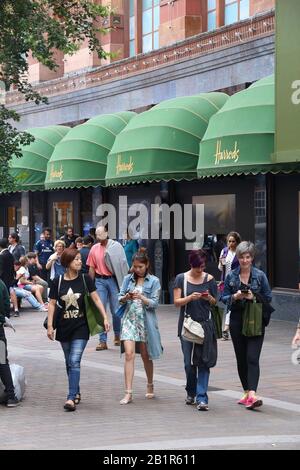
(241,285)
(194,292)
(139,330)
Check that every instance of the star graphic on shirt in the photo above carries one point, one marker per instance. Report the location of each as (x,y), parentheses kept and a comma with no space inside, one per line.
(71,299)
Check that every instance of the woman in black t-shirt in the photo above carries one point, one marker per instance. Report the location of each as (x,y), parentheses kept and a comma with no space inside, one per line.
(195,292)
(72,328)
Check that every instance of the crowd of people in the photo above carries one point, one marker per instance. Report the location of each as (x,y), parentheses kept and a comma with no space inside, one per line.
(58,277)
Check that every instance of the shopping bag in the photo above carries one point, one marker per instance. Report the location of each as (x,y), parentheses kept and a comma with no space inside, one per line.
(252,319)
(19,381)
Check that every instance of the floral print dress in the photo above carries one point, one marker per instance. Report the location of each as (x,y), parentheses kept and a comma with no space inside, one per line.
(133,323)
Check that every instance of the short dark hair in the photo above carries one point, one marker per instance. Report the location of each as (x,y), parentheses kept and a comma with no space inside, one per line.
(68,255)
(46,229)
(79,240)
(197,258)
(3,242)
(31,255)
(15,236)
(87,240)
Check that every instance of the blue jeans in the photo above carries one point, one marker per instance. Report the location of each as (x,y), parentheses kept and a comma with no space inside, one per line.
(73,351)
(108,292)
(196,377)
(24,294)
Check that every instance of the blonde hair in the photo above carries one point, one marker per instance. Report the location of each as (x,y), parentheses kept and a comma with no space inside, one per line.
(23,260)
(58,242)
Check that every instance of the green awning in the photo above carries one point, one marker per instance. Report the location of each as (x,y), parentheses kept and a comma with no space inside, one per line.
(240,137)
(80,159)
(29,170)
(163,143)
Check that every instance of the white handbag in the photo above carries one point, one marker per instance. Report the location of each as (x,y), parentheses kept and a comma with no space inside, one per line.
(192,330)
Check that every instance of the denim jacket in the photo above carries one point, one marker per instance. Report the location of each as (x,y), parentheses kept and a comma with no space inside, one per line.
(259,285)
(151,290)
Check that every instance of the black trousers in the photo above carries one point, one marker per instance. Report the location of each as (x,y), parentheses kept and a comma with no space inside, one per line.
(247,352)
(5,373)
(45,273)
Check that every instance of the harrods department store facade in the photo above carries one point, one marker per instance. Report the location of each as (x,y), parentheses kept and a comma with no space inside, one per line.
(185,76)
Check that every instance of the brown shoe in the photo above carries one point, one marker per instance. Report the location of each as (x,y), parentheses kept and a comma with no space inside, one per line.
(117,341)
(101,346)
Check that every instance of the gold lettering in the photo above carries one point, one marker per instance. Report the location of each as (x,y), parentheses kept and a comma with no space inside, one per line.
(56,173)
(123,166)
(226,154)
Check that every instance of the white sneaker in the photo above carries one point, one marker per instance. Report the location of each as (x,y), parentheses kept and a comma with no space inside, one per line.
(42,309)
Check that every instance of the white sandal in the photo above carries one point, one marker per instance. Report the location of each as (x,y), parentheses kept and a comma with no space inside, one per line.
(150,395)
(125,400)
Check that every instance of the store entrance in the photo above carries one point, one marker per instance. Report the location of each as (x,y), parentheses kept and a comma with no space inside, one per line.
(63,216)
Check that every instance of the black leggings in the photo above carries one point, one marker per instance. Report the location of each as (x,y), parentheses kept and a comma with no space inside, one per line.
(247,351)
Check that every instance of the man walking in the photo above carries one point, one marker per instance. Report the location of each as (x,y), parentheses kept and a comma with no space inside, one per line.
(7,272)
(5,373)
(108,266)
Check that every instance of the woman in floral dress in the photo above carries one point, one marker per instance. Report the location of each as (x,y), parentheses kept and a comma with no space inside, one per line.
(139,332)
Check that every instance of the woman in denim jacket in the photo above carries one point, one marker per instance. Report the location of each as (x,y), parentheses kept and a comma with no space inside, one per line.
(241,285)
(139,330)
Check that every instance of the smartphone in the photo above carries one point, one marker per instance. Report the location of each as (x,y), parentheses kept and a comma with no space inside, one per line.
(205,294)
(244,290)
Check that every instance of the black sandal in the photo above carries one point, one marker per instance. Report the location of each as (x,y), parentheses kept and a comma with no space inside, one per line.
(69,406)
(77,398)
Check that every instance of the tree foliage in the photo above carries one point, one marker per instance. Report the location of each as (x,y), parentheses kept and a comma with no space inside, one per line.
(39,27)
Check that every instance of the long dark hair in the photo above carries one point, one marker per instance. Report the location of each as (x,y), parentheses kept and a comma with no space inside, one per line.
(142,256)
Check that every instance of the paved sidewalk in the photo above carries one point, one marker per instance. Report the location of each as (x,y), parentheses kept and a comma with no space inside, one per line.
(162,423)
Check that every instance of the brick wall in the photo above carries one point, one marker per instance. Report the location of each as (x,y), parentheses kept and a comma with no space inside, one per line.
(179,19)
(257,6)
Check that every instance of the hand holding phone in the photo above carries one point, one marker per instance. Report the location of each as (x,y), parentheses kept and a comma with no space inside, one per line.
(205,294)
(244,290)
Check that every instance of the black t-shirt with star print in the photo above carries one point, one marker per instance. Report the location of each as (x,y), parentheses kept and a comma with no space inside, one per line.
(71,321)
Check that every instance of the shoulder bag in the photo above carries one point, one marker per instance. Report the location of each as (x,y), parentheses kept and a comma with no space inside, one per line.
(93,316)
(192,330)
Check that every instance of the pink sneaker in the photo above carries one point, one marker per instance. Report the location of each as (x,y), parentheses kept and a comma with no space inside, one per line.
(253,402)
(243,400)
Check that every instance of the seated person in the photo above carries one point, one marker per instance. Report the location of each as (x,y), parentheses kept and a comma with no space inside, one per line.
(35,275)
(22,277)
(24,294)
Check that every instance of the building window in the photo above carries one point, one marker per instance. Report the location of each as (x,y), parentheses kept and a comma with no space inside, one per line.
(131,29)
(150,25)
(236,10)
(211,15)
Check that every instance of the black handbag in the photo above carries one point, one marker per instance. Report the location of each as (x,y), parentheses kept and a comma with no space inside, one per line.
(57,311)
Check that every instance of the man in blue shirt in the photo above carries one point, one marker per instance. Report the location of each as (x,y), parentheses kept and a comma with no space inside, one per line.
(44,249)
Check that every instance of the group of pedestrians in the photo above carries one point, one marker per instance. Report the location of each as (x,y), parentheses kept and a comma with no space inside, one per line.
(111,281)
